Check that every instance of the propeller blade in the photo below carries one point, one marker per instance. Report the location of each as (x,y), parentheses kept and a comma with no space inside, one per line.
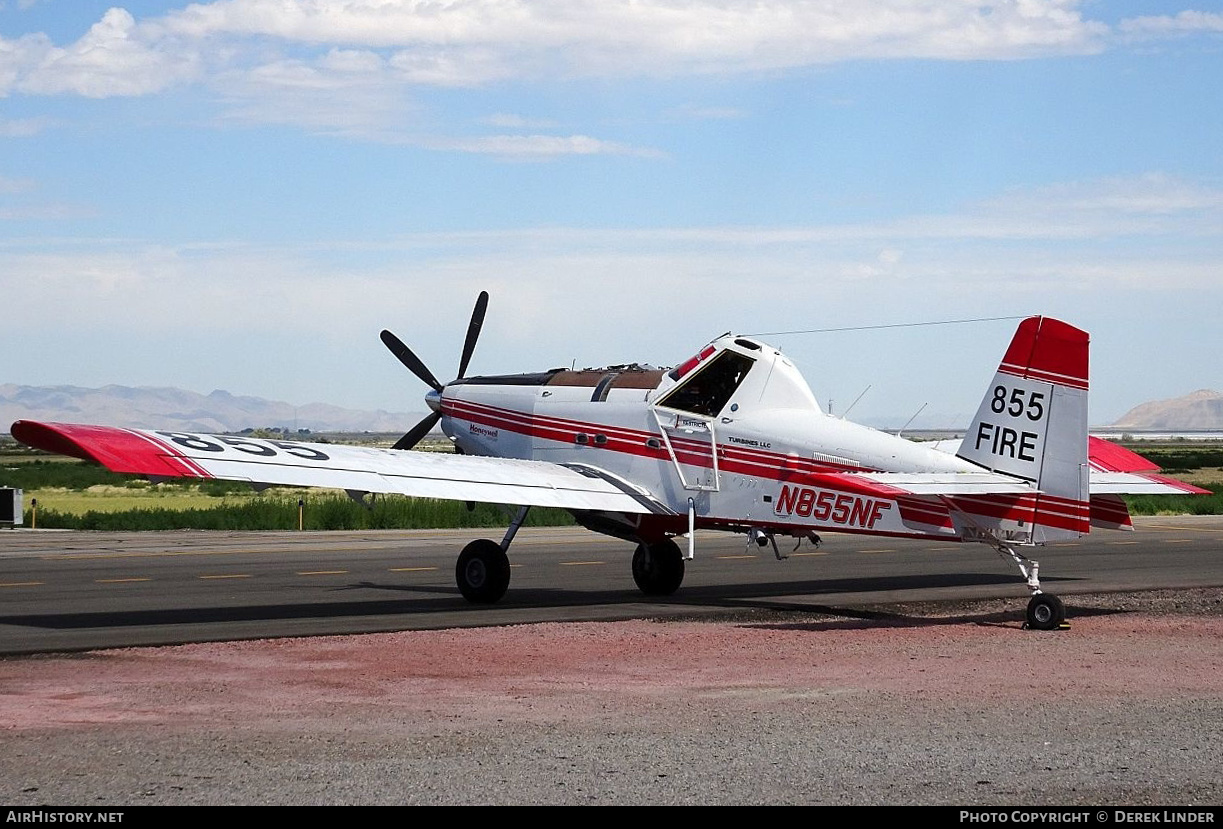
(418,431)
(410,360)
(473,331)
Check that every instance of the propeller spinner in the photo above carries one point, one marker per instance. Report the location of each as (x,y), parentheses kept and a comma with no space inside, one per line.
(414,364)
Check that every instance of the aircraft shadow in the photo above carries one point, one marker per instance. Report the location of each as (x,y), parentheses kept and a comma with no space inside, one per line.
(440,600)
(858,619)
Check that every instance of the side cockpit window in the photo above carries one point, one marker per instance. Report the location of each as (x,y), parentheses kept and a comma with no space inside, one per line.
(708,390)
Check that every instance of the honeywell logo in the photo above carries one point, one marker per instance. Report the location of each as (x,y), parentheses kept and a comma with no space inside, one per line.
(482,431)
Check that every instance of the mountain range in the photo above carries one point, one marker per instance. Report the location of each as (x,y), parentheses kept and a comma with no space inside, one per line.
(170,408)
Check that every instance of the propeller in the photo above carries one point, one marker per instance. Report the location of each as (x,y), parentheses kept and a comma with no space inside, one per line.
(418,431)
(410,360)
(415,365)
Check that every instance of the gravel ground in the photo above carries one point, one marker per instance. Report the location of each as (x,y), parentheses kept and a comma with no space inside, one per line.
(915,704)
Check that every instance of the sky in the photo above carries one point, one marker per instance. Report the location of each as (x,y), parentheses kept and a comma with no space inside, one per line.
(241,194)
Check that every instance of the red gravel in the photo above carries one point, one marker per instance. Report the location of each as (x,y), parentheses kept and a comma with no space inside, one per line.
(658,676)
(544,669)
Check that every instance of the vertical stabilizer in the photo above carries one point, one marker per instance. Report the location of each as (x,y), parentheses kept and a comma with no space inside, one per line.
(1033,424)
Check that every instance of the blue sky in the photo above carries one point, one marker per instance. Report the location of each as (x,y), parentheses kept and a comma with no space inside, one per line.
(241,194)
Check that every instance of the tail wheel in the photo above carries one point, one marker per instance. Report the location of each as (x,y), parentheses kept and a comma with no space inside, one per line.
(659,568)
(1046,612)
(482,572)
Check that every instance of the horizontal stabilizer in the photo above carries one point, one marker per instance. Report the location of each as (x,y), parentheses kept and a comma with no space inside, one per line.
(1118,471)
(1140,483)
(940,483)
(1110,457)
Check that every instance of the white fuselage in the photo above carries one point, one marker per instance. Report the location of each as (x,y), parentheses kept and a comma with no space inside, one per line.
(743,458)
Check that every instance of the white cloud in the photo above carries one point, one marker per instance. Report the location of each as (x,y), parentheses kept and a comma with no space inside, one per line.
(507,120)
(19,56)
(692,112)
(343,91)
(527,147)
(351,66)
(23,127)
(1185,22)
(1154,203)
(15,185)
(1106,254)
(655,36)
(990,244)
(444,43)
(115,57)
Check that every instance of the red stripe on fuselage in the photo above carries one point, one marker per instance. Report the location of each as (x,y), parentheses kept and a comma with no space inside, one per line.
(1057,512)
(737,459)
(1047,510)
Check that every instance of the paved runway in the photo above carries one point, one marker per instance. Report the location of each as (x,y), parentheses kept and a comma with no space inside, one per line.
(86,590)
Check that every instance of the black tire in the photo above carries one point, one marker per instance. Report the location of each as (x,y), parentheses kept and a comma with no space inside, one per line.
(1045,612)
(658,570)
(482,572)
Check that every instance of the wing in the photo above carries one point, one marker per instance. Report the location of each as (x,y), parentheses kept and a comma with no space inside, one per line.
(355,468)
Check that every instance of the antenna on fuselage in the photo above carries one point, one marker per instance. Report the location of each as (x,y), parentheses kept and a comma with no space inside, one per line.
(851,405)
(910,420)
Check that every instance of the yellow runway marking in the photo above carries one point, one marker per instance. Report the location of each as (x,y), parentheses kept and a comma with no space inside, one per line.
(580,563)
(229,576)
(1178,540)
(1181,529)
(119,581)
(157,554)
(21,583)
(877,551)
(410,569)
(729,557)
(323,573)
(1122,543)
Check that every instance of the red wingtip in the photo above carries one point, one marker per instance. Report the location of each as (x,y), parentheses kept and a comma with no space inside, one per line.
(119,450)
(1047,349)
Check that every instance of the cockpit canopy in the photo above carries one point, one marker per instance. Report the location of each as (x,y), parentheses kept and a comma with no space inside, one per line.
(739,374)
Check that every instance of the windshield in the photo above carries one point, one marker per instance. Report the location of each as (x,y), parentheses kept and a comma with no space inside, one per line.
(710,388)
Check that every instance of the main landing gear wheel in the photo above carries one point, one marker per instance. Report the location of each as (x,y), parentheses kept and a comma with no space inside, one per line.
(1045,612)
(658,569)
(483,572)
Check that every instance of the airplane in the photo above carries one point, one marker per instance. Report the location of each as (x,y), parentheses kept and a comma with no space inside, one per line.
(730,439)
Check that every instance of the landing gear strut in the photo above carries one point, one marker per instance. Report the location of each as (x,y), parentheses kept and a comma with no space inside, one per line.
(1045,611)
(483,569)
(659,568)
